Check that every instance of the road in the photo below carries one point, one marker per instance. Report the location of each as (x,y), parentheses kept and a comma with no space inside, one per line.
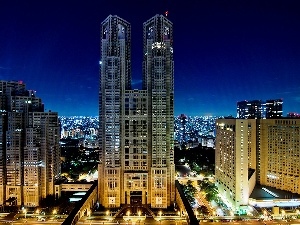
(252,223)
(149,221)
(30,221)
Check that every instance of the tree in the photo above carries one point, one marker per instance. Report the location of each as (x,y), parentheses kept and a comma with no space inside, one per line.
(210,189)
(189,192)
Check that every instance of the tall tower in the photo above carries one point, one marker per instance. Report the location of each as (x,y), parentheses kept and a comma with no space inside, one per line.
(29,146)
(136,126)
(158,74)
(115,79)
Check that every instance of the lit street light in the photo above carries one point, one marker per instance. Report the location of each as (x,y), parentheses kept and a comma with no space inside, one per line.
(139,213)
(282,213)
(25,211)
(54,212)
(160,216)
(128,214)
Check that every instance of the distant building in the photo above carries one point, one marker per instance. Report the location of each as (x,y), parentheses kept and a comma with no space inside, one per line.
(182,130)
(208,141)
(252,152)
(274,108)
(29,146)
(293,115)
(136,126)
(254,109)
(258,109)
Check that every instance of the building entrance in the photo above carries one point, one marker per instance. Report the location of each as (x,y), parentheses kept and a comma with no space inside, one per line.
(136,197)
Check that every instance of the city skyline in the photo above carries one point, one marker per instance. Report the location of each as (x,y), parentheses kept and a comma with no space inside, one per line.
(225,52)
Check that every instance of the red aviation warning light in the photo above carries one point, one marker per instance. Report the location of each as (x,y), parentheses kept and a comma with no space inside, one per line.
(166,13)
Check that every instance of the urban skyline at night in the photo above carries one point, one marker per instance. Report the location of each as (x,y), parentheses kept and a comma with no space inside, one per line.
(225,52)
(178,111)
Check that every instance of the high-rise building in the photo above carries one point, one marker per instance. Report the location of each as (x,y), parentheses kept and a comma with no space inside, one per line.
(279,154)
(29,146)
(235,154)
(136,126)
(258,109)
(256,151)
(274,108)
(254,109)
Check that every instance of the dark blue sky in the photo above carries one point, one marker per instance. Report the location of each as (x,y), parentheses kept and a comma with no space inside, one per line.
(225,51)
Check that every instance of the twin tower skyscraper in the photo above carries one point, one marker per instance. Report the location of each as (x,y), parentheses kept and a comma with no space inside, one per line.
(136,126)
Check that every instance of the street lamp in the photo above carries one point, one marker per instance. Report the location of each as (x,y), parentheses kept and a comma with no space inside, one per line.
(283,213)
(265,214)
(160,216)
(139,213)
(25,211)
(128,214)
(54,212)
(214,214)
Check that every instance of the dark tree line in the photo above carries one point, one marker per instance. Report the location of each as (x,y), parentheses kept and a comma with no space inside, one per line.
(201,159)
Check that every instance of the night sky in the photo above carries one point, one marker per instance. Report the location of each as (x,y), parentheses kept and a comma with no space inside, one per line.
(225,51)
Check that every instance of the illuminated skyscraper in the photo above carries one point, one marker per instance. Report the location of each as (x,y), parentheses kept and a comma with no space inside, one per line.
(274,108)
(257,109)
(29,147)
(136,126)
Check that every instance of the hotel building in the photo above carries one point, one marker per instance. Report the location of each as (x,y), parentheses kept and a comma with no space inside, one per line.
(252,152)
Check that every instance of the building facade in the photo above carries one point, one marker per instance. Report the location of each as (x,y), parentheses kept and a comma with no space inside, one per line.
(256,151)
(258,109)
(279,154)
(136,126)
(29,147)
(235,154)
